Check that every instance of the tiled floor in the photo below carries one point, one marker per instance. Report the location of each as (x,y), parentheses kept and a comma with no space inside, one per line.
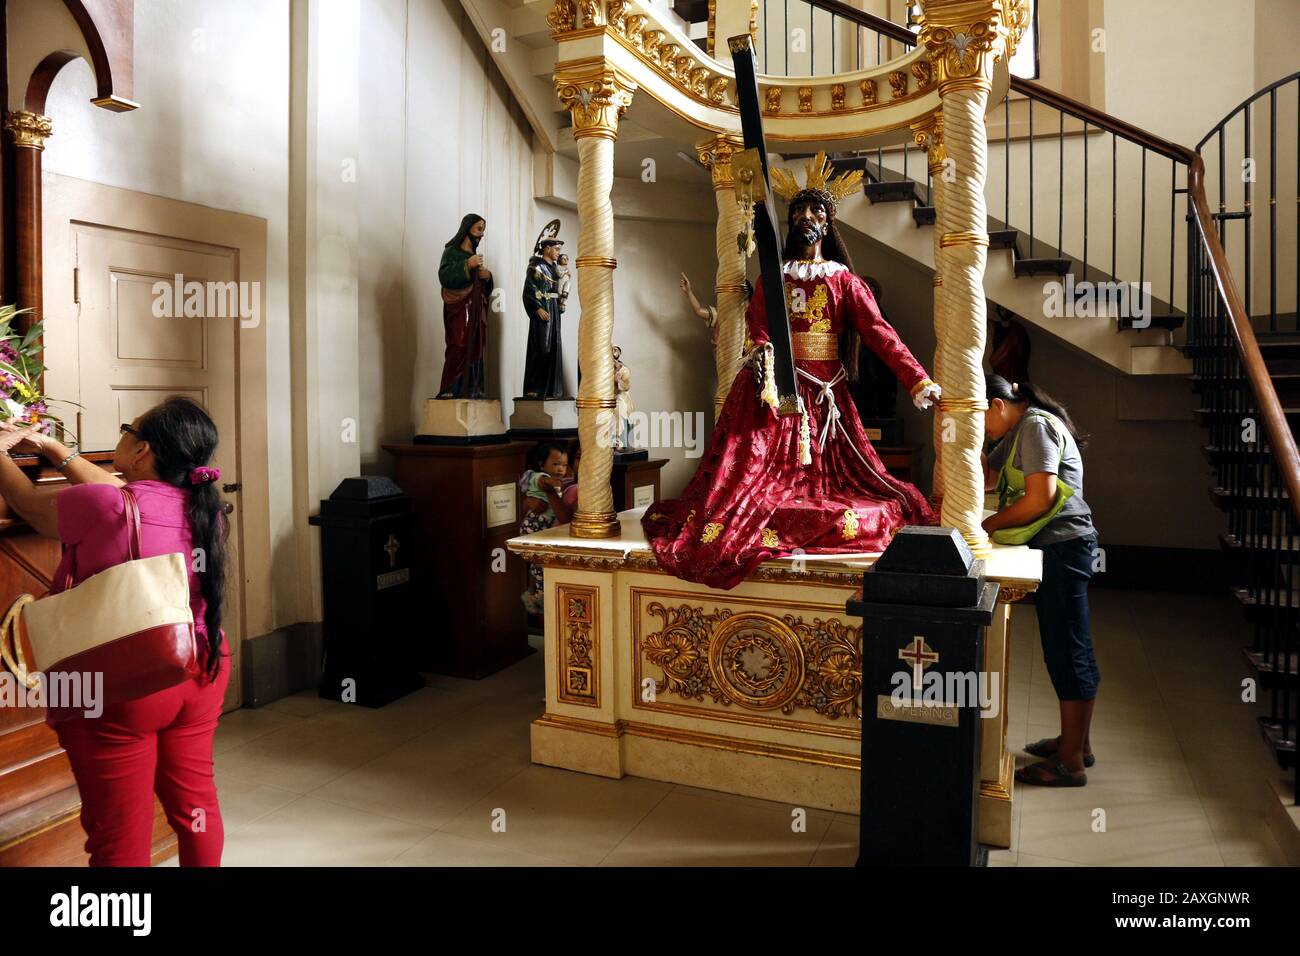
(423,781)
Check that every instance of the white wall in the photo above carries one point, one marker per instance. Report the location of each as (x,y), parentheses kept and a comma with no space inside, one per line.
(212,129)
(444,138)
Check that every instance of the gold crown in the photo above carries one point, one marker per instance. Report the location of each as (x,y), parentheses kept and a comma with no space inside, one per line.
(818,178)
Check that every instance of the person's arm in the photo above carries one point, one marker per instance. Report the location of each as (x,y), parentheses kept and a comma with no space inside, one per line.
(1040,492)
(698,309)
(36,506)
(563,513)
(879,336)
(78,471)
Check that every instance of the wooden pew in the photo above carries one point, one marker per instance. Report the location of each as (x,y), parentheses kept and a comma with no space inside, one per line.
(39,804)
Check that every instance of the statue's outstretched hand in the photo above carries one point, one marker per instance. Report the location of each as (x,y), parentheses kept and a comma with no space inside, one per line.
(927,396)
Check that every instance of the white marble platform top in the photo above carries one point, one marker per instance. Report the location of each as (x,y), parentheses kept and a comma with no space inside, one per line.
(1008,564)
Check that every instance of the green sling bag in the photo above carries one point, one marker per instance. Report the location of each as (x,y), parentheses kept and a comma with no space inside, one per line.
(1011,487)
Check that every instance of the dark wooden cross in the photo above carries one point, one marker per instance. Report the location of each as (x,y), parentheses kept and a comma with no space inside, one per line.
(766,237)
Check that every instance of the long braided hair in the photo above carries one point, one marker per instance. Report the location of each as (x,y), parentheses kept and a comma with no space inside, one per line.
(183,437)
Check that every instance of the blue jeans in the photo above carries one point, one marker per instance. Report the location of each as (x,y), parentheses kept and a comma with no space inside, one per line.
(1062,605)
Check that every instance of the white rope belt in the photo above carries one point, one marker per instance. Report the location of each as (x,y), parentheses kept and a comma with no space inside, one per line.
(826,397)
(832,424)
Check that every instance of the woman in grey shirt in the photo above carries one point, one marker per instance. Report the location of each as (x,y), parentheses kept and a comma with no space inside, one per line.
(1038,470)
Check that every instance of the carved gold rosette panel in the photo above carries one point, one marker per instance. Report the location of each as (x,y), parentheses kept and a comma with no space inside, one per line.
(579,644)
(750,660)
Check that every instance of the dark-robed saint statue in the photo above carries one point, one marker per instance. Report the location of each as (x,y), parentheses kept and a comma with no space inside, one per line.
(771,484)
(543,303)
(466,285)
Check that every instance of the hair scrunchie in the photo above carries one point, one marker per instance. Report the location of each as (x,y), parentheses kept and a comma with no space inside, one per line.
(204,474)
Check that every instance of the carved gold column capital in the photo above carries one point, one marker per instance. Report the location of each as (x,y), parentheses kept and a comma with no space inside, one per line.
(964,38)
(596,100)
(928,134)
(29,129)
(715,154)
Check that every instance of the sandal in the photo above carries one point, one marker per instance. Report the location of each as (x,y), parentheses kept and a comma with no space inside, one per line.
(1050,773)
(1047,748)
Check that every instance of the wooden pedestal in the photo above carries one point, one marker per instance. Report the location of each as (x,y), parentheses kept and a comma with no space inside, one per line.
(39,805)
(628,477)
(469,620)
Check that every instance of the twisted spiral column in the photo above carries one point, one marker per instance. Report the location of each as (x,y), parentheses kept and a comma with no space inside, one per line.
(730,284)
(963,248)
(928,134)
(595,100)
(963,40)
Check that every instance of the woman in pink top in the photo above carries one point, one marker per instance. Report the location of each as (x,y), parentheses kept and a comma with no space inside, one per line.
(161,742)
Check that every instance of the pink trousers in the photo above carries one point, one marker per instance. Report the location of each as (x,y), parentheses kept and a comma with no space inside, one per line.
(162,744)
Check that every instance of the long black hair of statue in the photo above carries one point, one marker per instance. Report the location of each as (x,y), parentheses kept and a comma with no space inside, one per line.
(462,233)
(834,250)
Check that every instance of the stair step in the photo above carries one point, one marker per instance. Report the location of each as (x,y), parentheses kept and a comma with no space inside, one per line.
(1274,346)
(894,191)
(1234,456)
(1271,673)
(1167,322)
(924,215)
(1285,383)
(1003,238)
(1207,416)
(1280,740)
(1260,542)
(1039,266)
(1271,602)
(1250,498)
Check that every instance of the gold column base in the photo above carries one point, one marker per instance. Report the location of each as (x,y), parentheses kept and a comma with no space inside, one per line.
(594,524)
(978,542)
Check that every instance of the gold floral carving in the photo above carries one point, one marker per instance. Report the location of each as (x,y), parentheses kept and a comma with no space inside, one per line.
(924,73)
(928,134)
(781,573)
(898,84)
(868,88)
(593,13)
(1010,594)
(772,100)
(716,155)
(717,89)
(596,101)
(616,14)
(579,644)
(837,96)
(563,17)
(756,660)
(805,99)
(30,130)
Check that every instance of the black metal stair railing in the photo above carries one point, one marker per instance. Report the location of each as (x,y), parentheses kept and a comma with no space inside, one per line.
(1104,223)
(1253,466)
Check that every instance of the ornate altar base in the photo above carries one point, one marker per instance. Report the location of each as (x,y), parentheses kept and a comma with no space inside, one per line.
(751,691)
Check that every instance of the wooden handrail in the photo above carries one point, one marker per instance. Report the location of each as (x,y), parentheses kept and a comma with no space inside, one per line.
(1279,434)
(1269,407)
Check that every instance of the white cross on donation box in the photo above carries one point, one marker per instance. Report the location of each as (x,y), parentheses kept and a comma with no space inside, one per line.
(918,654)
(390,548)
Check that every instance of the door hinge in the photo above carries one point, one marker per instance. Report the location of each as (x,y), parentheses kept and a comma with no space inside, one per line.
(76,285)
(230,489)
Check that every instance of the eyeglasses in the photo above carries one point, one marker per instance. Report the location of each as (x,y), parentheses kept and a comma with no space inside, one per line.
(126,429)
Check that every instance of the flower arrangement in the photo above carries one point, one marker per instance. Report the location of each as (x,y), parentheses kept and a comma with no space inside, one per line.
(21,400)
